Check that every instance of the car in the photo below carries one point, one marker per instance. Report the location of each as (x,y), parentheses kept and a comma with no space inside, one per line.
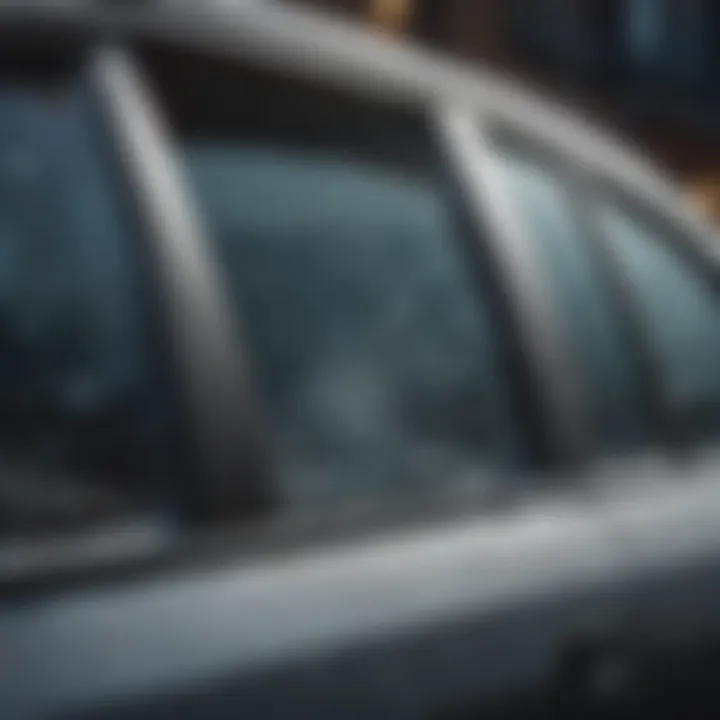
(340,380)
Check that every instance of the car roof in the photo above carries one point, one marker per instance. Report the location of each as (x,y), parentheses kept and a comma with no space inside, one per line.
(311,43)
(306,41)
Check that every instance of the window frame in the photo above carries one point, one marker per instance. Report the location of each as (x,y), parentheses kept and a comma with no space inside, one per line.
(553,421)
(579,181)
(593,170)
(468,135)
(206,404)
(196,312)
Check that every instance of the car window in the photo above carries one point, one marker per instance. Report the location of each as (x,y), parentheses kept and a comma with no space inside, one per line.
(81,420)
(554,225)
(679,303)
(376,351)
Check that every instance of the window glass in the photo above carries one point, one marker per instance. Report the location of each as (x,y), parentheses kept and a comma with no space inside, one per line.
(376,362)
(575,280)
(374,347)
(679,304)
(80,427)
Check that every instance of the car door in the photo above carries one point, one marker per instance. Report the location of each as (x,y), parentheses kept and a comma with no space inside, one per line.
(103,418)
(412,557)
(408,566)
(634,280)
(672,269)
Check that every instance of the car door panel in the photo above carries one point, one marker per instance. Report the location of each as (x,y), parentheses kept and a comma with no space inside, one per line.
(434,620)
(667,525)
(662,506)
(452,618)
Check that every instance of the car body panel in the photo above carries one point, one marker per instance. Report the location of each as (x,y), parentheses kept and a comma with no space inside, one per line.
(456,614)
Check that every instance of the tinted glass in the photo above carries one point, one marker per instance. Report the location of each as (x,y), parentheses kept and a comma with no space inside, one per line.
(373,345)
(377,363)
(573,271)
(80,427)
(678,302)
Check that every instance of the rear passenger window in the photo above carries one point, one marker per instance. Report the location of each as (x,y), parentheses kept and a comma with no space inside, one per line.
(375,348)
(678,302)
(82,423)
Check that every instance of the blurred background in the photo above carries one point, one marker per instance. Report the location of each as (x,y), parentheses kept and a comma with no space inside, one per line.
(648,68)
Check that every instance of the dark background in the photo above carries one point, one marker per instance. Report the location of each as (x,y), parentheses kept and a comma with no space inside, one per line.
(648,68)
